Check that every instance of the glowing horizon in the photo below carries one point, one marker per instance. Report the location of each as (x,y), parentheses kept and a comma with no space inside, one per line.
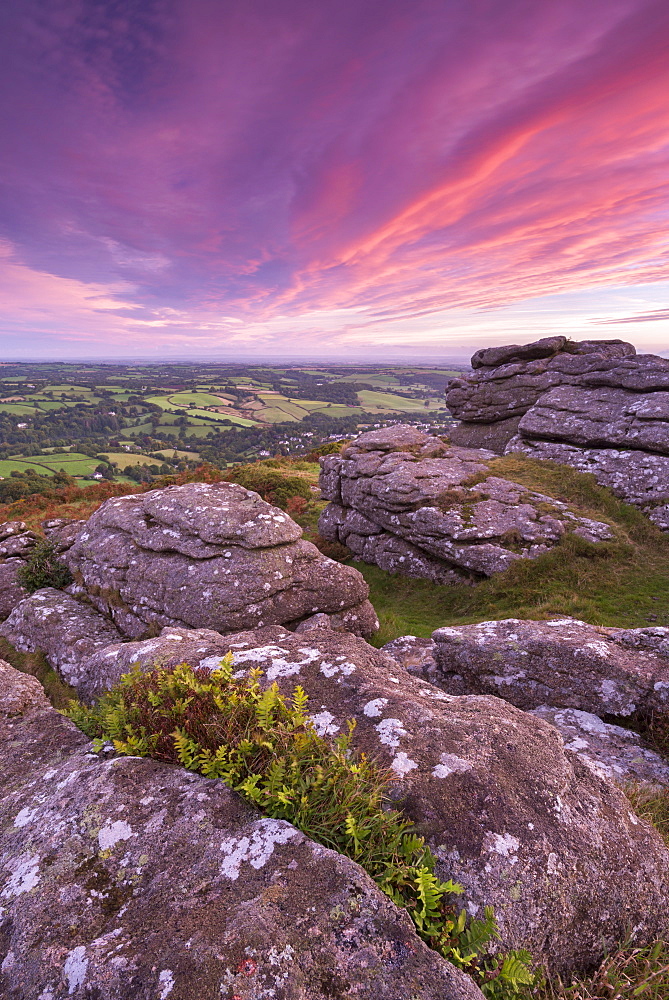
(416,179)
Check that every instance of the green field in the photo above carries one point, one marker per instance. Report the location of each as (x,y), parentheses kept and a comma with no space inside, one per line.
(380,402)
(182,399)
(72,462)
(18,409)
(123,458)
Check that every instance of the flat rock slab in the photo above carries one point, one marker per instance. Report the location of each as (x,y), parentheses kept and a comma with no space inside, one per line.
(67,631)
(126,879)
(521,822)
(412,504)
(612,751)
(565,663)
(208,556)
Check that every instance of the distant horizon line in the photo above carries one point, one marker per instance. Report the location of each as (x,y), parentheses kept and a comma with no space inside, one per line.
(295,362)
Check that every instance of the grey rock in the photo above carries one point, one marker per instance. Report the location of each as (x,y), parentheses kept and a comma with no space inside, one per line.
(595,405)
(105,666)
(493,437)
(494,356)
(564,663)
(414,654)
(9,529)
(18,544)
(208,556)
(11,589)
(126,879)
(19,693)
(638,477)
(511,387)
(62,531)
(65,630)
(600,418)
(521,822)
(408,507)
(612,751)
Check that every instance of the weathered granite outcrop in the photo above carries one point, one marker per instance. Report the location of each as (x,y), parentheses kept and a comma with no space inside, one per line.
(16,544)
(126,879)
(507,381)
(65,630)
(521,822)
(614,752)
(405,501)
(208,556)
(564,663)
(596,405)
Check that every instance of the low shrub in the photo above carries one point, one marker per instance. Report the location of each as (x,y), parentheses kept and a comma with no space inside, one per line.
(274,485)
(266,748)
(43,569)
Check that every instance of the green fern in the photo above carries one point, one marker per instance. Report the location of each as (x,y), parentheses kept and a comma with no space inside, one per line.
(265,747)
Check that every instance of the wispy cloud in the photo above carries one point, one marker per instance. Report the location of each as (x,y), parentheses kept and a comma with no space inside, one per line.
(205,165)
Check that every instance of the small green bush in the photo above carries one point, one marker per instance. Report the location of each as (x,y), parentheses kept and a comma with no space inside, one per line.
(43,569)
(266,748)
(273,485)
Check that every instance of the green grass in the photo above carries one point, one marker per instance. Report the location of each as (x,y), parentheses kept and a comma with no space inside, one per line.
(617,583)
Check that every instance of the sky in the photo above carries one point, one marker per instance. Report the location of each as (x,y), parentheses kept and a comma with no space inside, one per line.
(331,178)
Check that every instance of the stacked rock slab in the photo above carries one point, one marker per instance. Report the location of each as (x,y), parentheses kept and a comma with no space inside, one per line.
(125,879)
(403,500)
(521,822)
(16,544)
(207,556)
(595,405)
(564,663)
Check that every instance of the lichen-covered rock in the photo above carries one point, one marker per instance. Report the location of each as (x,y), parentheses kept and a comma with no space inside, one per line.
(16,544)
(405,501)
(601,417)
(521,822)
(493,437)
(62,531)
(595,405)
(414,654)
(514,378)
(11,589)
(565,663)
(640,478)
(66,630)
(208,556)
(19,693)
(126,879)
(16,538)
(612,751)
